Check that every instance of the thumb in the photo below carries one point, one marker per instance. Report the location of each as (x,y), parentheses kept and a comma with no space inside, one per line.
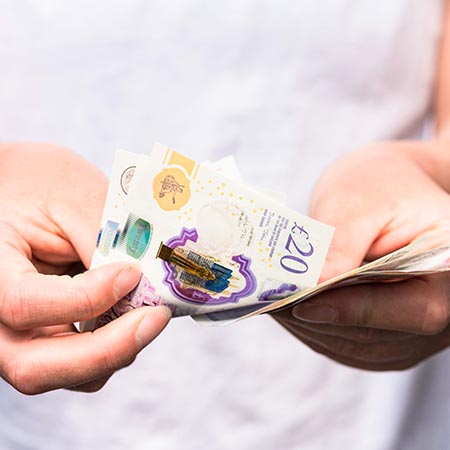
(32,300)
(79,205)
(73,359)
(356,225)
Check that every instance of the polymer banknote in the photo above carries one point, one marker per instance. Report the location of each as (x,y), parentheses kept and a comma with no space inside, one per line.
(426,256)
(218,250)
(206,242)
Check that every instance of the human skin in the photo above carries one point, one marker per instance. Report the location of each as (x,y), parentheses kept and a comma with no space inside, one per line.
(379,199)
(51,201)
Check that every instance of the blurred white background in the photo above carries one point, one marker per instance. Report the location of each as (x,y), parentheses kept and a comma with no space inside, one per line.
(284,86)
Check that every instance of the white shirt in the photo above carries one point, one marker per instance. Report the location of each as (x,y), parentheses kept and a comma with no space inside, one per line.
(286,87)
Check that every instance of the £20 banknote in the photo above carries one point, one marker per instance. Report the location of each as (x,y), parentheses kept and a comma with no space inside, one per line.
(218,250)
(206,242)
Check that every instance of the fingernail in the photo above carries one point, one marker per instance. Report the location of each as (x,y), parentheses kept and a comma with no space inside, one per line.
(151,325)
(126,280)
(315,313)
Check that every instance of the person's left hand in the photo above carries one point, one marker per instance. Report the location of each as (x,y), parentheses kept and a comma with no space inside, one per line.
(379,199)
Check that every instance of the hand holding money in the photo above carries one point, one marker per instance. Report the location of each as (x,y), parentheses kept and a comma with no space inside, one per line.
(51,201)
(209,246)
(378,200)
(213,248)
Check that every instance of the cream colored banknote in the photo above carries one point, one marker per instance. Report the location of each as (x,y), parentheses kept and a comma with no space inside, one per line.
(220,251)
(206,242)
(428,255)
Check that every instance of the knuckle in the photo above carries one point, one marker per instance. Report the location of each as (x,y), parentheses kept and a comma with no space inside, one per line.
(22,376)
(79,298)
(436,316)
(88,304)
(83,298)
(14,310)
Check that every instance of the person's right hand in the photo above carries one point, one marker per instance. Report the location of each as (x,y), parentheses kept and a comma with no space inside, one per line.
(51,202)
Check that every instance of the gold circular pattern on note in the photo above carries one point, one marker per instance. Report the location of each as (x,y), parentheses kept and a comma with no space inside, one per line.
(171,189)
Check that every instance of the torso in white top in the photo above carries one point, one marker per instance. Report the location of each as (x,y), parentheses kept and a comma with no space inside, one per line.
(286,87)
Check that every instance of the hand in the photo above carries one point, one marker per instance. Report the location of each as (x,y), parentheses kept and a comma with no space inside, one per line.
(51,201)
(379,200)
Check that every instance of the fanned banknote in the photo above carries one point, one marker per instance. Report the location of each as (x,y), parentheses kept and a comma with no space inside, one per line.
(425,256)
(217,250)
(206,242)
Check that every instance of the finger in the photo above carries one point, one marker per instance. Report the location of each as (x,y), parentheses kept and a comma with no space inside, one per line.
(350,361)
(46,363)
(357,334)
(373,218)
(74,209)
(350,244)
(420,348)
(30,299)
(375,352)
(63,330)
(419,305)
(346,204)
(79,214)
(94,385)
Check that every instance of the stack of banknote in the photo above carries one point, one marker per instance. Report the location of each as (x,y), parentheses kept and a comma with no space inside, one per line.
(218,250)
